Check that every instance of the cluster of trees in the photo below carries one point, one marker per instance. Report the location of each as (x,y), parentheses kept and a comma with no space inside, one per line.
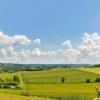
(96,80)
(10,82)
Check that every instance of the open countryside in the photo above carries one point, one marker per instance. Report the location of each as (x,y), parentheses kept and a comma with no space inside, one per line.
(54,84)
(49,49)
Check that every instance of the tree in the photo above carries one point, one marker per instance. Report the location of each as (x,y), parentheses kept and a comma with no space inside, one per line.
(62,80)
(88,80)
(97,79)
(16,79)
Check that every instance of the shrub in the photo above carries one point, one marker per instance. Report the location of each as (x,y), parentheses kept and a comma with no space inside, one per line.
(62,80)
(6,86)
(97,79)
(13,84)
(88,81)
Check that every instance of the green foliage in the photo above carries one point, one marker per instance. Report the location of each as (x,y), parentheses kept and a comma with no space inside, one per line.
(98,94)
(88,80)
(16,79)
(62,80)
(97,79)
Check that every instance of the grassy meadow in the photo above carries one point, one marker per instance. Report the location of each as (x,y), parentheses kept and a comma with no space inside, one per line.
(48,83)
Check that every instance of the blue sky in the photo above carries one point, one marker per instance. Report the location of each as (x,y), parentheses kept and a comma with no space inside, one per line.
(51,21)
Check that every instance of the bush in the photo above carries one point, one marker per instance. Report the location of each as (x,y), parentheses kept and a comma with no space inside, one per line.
(6,86)
(97,79)
(62,80)
(13,84)
(88,81)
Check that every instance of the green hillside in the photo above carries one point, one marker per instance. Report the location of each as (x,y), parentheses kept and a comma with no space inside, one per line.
(48,83)
(55,75)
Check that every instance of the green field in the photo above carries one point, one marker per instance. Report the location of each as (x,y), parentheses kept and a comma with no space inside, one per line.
(48,83)
(14,97)
(54,76)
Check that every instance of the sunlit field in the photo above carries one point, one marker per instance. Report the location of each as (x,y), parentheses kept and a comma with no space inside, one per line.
(48,83)
(93,70)
(14,97)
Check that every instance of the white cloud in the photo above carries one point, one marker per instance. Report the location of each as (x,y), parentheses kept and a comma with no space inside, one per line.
(67,44)
(21,40)
(37,41)
(6,40)
(40,53)
(87,52)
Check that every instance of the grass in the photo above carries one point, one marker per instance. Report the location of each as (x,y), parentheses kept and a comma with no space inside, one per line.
(55,75)
(48,83)
(93,70)
(75,97)
(14,97)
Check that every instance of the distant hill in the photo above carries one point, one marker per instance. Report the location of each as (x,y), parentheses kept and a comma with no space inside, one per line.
(96,65)
(28,67)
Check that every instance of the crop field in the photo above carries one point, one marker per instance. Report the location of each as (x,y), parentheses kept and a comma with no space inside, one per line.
(93,70)
(14,97)
(48,83)
(54,76)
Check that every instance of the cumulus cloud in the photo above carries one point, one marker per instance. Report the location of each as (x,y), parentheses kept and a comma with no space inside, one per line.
(6,40)
(38,52)
(37,41)
(87,52)
(90,47)
(67,44)
(21,40)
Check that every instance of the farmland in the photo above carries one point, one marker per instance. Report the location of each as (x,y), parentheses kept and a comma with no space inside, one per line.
(48,83)
(14,97)
(93,70)
(55,75)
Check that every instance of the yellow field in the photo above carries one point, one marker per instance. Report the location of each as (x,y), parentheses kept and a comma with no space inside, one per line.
(14,97)
(93,70)
(47,83)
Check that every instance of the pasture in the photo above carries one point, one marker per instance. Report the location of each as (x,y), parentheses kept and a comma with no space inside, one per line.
(54,76)
(48,83)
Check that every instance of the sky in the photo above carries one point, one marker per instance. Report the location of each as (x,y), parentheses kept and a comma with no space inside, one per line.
(50,31)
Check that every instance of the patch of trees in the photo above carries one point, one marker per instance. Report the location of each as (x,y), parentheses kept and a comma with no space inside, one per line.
(93,66)
(90,81)
(11,82)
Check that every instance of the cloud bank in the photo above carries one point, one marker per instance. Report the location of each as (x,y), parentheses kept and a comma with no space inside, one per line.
(12,50)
